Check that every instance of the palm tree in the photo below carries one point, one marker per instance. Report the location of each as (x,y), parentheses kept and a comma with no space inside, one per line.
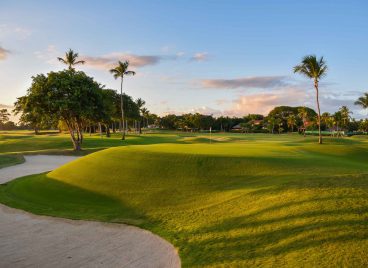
(315,69)
(303,114)
(363,101)
(70,59)
(140,103)
(345,116)
(291,122)
(337,120)
(121,71)
(145,114)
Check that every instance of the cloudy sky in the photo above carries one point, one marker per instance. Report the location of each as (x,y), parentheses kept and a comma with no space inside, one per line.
(214,57)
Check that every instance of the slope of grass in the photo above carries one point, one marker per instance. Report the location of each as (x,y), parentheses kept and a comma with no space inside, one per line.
(10,160)
(255,200)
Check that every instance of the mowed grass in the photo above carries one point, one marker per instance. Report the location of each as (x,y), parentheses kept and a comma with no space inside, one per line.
(14,144)
(243,200)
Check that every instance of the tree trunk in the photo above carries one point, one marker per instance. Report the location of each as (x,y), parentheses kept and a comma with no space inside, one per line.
(107,130)
(319,112)
(76,141)
(100,129)
(122,110)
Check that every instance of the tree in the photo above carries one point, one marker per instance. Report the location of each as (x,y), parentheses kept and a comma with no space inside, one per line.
(66,95)
(121,71)
(70,59)
(140,103)
(345,116)
(364,125)
(271,124)
(31,107)
(291,120)
(145,114)
(314,69)
(303,114)
(363,101)
(337,121)
(4,116)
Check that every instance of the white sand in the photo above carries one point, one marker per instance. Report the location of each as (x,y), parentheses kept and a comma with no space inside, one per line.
(27,240)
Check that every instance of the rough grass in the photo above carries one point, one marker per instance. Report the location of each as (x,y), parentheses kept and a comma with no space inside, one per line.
(255,200)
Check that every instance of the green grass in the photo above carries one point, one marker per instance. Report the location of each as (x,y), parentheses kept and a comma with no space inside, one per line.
(10,160)
(244,200)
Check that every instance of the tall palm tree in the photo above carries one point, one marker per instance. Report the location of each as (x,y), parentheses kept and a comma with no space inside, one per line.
(314,69)
(121,71)
(70,59)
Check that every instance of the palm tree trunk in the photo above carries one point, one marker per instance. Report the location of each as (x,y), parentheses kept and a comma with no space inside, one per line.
(319,112)
(122,110)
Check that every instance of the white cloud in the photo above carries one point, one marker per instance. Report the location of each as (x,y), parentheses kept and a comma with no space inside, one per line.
(18,32)
(49,55)
(200,56)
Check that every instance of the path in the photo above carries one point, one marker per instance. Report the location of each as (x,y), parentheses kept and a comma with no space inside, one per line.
(27,240)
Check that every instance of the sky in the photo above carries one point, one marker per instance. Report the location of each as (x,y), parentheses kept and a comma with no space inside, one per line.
(213,57)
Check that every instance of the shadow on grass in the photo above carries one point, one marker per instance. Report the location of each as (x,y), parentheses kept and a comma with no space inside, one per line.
(42,195)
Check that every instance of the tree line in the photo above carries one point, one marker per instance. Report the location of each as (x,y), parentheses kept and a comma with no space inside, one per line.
(71,100)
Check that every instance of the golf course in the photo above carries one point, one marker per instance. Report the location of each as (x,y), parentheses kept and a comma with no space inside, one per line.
(225,200)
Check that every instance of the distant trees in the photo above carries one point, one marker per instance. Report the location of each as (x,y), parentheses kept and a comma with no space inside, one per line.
(291,121)
(4,119)
(120,71)
(4,116)
(314,69)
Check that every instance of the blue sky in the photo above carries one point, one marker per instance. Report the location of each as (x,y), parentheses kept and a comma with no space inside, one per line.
(215,57)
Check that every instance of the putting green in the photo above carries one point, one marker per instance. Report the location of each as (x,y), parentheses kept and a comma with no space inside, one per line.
(240,201)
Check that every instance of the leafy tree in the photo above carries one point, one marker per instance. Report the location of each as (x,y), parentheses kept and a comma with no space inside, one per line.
(31,107)
(4,116)
(271,123)
(315,69)
(67,95)
(121,71)
(169,121)
(364,125)
(70,59)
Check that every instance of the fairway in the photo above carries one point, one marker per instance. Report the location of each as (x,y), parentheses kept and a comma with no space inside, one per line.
(237,200)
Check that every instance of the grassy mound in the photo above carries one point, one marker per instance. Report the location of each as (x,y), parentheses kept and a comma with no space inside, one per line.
(7,160)
(241,202)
